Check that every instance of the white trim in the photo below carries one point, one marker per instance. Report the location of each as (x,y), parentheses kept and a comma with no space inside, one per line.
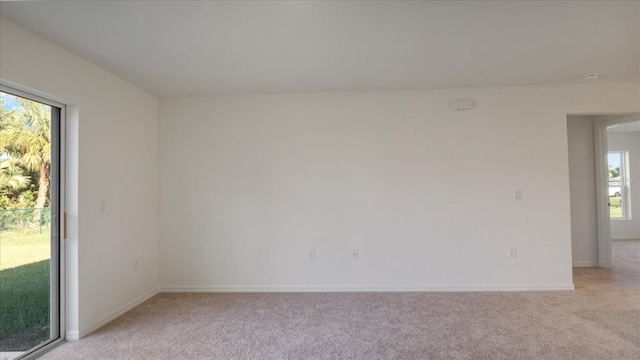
(602,190)
(29,94)
(60,302)
(72,336)
(62,199)
(585,264)
(33,94)
(372,288)
(115,314)
(602,194)
(627,237)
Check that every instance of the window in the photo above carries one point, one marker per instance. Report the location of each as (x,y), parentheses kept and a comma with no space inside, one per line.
(30,204)
(619,185)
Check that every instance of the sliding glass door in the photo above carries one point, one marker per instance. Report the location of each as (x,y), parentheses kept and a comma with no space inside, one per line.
(30,208)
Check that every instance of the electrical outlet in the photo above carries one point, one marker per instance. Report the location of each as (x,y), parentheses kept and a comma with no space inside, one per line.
(354,254)
(511,252)
(311,254)
(103,205)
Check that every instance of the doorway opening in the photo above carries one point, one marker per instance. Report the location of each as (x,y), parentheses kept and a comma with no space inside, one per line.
(31,250)
(602,185)
(623,166)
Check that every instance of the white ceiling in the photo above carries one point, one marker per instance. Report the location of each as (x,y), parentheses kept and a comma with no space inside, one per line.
(196,48)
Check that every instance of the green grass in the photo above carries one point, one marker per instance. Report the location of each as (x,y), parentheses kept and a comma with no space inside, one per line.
(18,249)
(615,207)
(24,290)
(24,306)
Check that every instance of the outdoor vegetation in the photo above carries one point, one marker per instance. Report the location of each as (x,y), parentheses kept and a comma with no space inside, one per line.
(25,160)
(615,202)
(615,207)
(24,298)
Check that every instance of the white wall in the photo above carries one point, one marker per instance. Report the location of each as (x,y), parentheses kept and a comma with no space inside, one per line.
(584,229)
(251,182)
(628,141)
(112,153)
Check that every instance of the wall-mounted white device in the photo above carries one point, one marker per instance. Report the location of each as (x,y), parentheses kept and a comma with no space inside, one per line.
(462,105)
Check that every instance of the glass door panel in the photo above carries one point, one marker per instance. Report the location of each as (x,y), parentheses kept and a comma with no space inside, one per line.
(29,224)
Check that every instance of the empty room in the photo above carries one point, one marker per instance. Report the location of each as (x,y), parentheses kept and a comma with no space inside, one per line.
(319,180)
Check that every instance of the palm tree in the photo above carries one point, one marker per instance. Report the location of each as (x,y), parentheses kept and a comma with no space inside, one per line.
(25,134)
(12,177)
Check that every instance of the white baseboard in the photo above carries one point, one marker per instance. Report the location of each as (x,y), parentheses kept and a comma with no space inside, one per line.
(72,336)
(115,314)
(585,263)
(392,288)
(632,237)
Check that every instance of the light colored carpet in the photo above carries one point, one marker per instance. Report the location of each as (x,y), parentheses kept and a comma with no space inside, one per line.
(600,320)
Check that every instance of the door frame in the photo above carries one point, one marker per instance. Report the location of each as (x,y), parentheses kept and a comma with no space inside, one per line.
(602,190)
(57,278)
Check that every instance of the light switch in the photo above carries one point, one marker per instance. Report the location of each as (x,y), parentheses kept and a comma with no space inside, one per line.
(517,195)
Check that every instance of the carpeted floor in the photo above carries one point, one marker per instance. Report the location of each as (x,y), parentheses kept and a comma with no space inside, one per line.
(600,320)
